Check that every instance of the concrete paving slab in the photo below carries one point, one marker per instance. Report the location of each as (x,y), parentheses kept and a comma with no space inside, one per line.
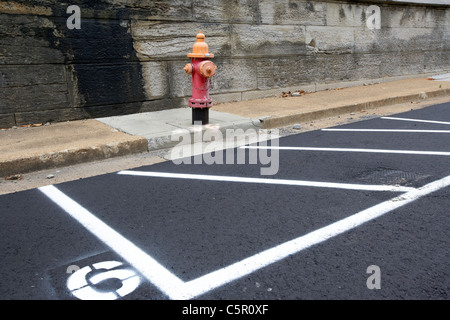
(158,127)
(152,124)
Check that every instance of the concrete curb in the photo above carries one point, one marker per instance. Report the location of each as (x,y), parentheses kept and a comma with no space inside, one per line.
(72,156)
(276,122)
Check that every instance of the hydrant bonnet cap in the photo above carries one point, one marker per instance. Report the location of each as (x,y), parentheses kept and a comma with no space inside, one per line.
(200,48)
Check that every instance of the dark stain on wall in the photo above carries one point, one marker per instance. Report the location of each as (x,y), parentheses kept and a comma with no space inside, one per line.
(309,6)
(105,68)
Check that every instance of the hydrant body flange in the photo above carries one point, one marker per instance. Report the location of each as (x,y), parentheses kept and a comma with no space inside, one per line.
(201,69)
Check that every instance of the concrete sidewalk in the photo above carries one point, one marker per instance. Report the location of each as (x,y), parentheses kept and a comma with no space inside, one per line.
(276,112)
(34,148)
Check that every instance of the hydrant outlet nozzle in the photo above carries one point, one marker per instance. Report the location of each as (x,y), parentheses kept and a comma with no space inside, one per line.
(207,69)
(188,68)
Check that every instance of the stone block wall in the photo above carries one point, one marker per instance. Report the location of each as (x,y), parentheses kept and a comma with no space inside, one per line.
(129,54)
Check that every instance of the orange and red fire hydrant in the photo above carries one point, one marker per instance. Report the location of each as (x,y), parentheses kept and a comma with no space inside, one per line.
(201,70)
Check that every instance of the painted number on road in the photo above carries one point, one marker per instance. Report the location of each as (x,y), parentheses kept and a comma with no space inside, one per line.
(107,280)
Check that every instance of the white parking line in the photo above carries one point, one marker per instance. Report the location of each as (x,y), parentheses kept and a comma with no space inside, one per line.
(388,130)
(143,263)
(301,183)
(175,288)
(415,120)
(422,153)
(244,267)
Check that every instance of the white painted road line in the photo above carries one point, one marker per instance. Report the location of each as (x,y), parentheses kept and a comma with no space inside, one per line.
(143,263)
(413,152)
(387,130)
(301,183)
(175,288)
(415,120)
(249,265)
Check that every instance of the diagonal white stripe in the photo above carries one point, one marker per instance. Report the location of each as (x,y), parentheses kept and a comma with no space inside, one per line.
(302,183)
(249,265)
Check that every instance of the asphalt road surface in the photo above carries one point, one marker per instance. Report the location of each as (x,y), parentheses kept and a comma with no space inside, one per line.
(359,211)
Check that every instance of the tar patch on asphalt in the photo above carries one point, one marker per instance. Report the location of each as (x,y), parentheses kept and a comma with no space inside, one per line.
(101,277)
(389,176)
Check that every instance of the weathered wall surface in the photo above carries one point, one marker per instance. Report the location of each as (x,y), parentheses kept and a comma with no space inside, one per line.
(129,54)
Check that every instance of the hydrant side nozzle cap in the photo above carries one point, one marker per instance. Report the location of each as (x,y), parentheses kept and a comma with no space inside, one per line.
(188,69)
(207,69)
(200,48)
